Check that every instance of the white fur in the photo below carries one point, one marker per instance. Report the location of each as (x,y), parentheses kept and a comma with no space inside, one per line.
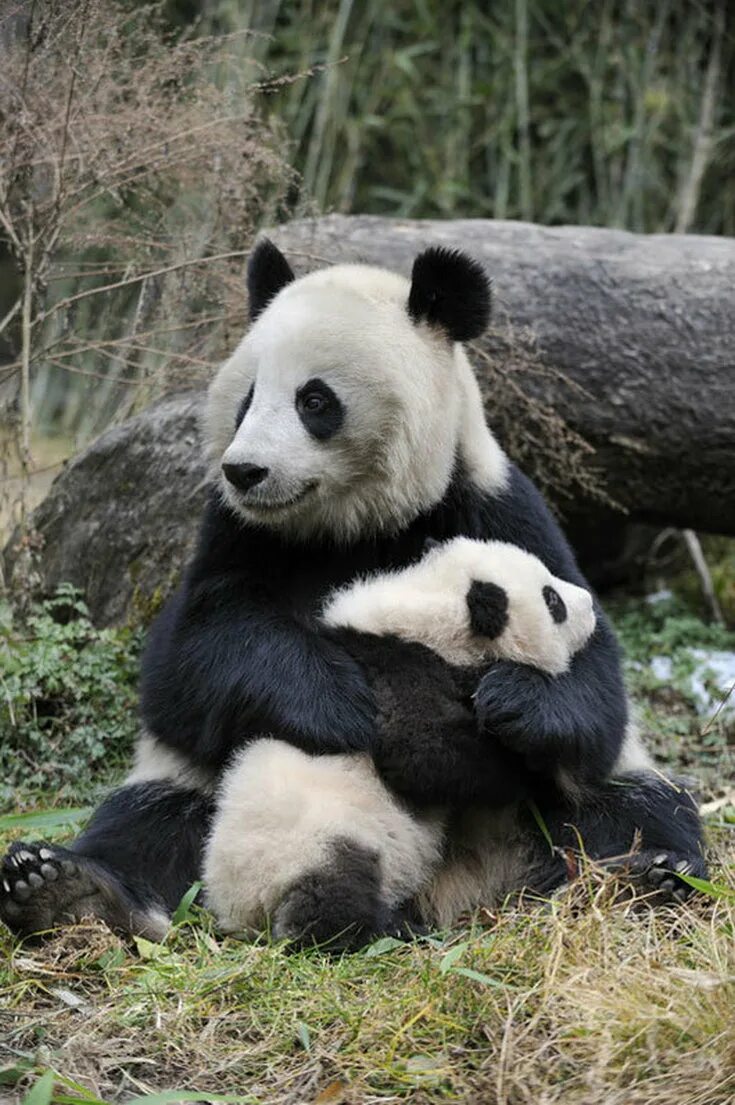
(154,763)
(633,757)
(278,811)
(489,859)
(412,406)
(427,602)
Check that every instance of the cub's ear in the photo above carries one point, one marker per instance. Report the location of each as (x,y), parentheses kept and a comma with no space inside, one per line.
(451,291)
(488,607)
(268,272)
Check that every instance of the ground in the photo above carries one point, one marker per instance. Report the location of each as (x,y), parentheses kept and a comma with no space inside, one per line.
(590,998)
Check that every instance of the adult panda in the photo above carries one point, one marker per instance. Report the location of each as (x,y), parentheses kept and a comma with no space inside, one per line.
(345,430)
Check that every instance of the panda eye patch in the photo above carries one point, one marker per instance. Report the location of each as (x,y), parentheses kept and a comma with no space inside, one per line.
(244,407)
(319,409)
(555,604)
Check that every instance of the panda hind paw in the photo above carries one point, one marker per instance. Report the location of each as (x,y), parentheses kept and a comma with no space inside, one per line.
(657,871)
(43,885)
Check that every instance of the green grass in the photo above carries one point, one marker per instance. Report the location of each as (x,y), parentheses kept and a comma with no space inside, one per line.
(585,999)
(590,998)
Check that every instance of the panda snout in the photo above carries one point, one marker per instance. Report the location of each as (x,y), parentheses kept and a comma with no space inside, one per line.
(244,476)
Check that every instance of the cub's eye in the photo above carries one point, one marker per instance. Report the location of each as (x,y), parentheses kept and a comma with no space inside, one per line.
(314,402)
(319,409)
(555,604)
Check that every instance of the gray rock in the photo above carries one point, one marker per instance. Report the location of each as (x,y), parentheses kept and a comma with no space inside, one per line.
(119,522)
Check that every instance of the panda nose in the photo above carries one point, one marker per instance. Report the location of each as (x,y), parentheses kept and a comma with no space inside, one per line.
(244,476)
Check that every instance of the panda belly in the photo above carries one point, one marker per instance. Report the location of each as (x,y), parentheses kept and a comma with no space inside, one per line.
(282,814)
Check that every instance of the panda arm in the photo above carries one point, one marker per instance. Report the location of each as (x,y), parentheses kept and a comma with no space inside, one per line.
(574,721)
(220,669)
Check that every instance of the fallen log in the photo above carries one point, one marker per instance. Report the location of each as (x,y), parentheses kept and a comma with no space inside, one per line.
(623,341)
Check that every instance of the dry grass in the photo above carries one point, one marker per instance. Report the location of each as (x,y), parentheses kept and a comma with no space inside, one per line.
(589,999)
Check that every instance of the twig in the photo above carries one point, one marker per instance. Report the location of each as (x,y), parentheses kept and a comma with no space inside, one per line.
(689,196)
(694,547)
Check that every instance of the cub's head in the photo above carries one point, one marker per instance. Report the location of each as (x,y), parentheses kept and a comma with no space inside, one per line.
(473,601)
(517,609)
(349,402)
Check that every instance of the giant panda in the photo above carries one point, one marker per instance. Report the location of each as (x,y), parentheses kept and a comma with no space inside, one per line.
(284,816)
(346,428)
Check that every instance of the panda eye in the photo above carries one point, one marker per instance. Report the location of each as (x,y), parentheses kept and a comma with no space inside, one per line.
(319,409)
(314,402)
(555,604)
(244,407)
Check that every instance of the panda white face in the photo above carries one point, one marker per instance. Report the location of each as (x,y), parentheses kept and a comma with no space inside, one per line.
(340,413)
(471,601)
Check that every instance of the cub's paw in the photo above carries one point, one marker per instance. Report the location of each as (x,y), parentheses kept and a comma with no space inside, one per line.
(43,885)
(659,872)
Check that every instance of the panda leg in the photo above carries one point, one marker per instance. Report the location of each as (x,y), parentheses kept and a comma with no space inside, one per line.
(130,867)
(641,825)
(339,905)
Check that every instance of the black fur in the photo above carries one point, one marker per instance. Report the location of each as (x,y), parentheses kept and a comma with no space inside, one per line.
(427,747)
(555,605)
(451,291)
(642,825)
(244,407)
(488,607)
(338,905)
(138,856)
(324,422)
(268,272)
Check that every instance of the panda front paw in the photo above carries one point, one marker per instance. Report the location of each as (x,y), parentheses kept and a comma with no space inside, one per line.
(512,707)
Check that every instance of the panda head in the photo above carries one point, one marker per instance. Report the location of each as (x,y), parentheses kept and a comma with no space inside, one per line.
(350,401)
(514,608)
(470,602)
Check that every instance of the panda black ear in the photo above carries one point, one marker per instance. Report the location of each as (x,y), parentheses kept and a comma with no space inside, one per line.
(268,272)
(450,290)
(488,607)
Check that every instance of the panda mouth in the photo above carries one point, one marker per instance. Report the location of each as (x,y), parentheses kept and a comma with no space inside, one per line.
(263,506)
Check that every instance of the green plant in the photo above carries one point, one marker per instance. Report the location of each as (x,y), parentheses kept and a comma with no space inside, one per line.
(67,700)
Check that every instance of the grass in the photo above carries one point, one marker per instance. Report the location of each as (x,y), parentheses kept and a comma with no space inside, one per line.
(591,998)
(588,999)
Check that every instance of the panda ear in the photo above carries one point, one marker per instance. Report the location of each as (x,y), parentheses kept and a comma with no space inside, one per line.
(268,272)
(451,291)
(488,607)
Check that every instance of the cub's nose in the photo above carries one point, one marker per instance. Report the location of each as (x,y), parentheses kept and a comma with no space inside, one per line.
(244,476)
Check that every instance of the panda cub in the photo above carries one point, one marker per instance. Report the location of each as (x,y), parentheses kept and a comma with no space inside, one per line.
(285,819)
